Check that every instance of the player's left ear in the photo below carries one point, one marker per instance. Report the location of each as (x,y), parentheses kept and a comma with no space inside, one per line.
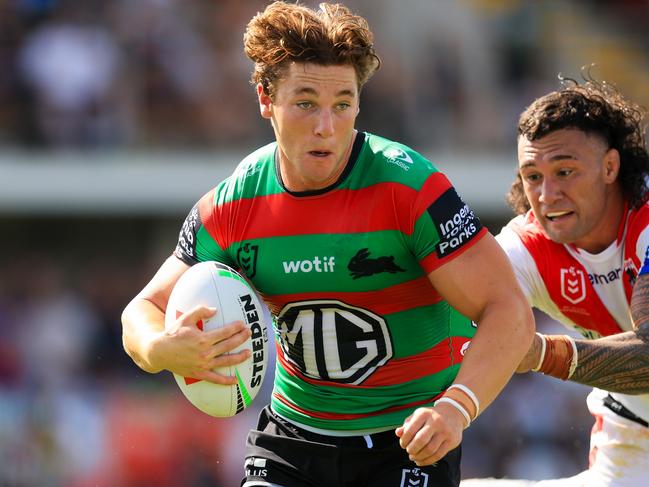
(611,165)
(265,102)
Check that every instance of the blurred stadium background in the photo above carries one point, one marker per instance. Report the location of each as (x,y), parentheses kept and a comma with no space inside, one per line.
(116,116)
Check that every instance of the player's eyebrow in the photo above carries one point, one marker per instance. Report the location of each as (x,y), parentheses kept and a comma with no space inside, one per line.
(556,158)
(310,91)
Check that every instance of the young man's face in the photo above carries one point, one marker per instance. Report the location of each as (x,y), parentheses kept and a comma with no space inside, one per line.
(313,114)
(570,180)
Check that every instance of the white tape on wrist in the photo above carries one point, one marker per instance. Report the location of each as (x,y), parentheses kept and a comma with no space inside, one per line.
(457,406)
(470,393)
(575,360)
(543,348)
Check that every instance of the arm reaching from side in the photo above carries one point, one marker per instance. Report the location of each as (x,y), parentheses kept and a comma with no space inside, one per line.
(617,363)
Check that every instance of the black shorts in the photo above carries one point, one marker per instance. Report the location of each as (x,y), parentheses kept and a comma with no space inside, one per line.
(279,454)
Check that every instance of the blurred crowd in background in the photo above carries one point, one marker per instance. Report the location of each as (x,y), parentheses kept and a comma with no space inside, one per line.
(156,75)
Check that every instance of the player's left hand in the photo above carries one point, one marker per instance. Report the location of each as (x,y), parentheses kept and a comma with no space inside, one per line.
(428,434)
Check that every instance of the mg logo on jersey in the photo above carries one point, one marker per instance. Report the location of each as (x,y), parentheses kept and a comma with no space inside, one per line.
(573,285)
(331,340)
(413,477)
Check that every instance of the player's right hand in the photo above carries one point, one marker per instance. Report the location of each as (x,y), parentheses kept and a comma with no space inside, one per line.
(532,357)
(429,433)
(186,350)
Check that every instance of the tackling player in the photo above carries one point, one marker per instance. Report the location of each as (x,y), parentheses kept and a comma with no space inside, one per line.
(372,264)
(579,250)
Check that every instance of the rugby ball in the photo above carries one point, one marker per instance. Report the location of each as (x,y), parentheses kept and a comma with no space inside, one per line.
(217,285)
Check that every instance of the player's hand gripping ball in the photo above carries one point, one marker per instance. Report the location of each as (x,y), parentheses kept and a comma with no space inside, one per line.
(216,285)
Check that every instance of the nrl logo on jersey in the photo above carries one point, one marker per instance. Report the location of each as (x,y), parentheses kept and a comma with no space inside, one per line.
(573,285)
(399,157)
(247,258)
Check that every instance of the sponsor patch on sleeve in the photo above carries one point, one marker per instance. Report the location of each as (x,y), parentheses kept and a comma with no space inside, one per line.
(455,222)
(186,246)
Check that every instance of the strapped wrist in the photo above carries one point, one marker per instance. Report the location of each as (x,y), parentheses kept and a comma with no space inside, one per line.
(543,350)
(560,359)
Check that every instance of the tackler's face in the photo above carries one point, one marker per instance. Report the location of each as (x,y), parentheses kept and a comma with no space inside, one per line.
(570,180)
(312,111)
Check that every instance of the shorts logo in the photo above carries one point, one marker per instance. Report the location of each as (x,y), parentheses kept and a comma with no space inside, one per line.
(247,258)
(256,467)
(413,477)
(573,285)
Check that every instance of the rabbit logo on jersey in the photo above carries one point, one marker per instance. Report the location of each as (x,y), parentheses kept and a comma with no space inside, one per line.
(455,221)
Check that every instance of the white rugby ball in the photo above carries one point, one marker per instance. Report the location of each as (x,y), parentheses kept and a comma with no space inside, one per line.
(217,285)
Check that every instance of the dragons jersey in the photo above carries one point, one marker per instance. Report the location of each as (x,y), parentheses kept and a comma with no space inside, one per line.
(590,293)
(362,337)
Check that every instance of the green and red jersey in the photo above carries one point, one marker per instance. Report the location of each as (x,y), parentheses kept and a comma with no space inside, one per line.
(362,336)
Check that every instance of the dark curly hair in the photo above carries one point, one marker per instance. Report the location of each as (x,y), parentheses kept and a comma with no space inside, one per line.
(286,32)
(598,108)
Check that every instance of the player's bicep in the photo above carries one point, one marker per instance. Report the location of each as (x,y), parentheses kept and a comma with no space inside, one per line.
(478,277)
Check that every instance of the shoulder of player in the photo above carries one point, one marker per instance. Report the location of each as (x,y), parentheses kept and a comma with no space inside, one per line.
(639,217)
(254,163)
(509,237)
(524,231)
(636,234)
(247,173)
(396,162)
(518,249)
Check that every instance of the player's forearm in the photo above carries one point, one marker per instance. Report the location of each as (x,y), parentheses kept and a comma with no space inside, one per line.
(618,363)
(142,324)
(503,337)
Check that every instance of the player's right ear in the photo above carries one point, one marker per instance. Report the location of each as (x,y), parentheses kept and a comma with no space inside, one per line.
(265,103)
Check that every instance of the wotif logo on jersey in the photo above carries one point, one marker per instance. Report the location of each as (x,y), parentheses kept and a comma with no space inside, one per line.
(317,264)
(573,284)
